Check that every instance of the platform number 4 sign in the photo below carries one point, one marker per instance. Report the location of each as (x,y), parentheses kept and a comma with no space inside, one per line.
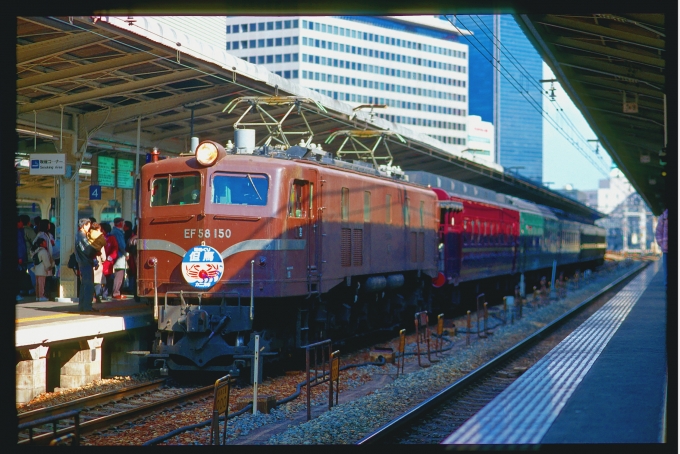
(95,192)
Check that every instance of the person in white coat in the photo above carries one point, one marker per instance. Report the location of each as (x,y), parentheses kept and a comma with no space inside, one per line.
(43,269)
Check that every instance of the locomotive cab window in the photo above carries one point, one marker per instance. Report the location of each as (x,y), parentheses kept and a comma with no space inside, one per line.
(240,189)
(175,190)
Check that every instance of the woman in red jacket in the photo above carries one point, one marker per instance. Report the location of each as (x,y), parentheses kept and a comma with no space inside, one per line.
(111,250)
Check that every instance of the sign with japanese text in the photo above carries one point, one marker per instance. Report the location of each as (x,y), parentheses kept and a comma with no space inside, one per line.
(106,171)
(202,267)
(125,177)
(48,164)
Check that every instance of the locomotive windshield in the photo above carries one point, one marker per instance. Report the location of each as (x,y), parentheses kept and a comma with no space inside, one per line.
(175,190)
(240,189)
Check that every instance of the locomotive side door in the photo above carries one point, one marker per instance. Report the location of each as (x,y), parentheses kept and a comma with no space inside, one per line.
(313,232)
(303,226)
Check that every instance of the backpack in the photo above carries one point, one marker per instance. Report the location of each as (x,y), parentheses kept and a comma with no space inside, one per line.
(36,258)
(72,262)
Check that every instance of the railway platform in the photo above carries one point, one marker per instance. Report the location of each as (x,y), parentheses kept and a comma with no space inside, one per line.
(58,347)
(607,382)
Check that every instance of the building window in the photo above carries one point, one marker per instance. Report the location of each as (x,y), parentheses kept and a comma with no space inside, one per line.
(260,59)
(270,25)
(279,41)
(286,41)
(253,27)
(270,42)
(260,27)
(270,59)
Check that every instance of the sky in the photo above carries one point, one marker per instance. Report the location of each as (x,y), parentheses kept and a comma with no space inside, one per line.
(563,163)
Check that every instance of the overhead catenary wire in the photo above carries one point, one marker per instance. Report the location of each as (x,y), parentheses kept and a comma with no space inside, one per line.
(503,71)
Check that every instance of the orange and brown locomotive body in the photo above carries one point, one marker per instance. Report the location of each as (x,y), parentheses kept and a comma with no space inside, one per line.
(287,245)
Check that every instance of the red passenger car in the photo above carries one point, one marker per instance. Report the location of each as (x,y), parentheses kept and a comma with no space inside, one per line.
(478,239)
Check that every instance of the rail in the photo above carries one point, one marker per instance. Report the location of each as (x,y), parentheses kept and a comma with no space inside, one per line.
(401,423)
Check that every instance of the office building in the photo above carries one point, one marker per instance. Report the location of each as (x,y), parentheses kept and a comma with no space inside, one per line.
(507,93)
(416,67)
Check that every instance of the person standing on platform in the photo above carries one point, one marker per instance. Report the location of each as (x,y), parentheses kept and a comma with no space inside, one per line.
(111,250)
(132,263)
(55,247)
(97,240)
(119,265)
(44,232)
(662,240)
(43,269)
(29,237)
(85,266)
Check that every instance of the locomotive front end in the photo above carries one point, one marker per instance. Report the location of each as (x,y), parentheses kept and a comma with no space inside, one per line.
(203,220)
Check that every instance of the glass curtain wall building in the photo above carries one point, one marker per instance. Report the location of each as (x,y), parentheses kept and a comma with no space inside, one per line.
(507,93)
(416,66)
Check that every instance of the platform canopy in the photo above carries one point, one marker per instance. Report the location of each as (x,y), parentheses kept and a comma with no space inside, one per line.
(613,67)
(126,80)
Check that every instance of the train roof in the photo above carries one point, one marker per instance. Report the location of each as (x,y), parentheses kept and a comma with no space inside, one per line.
(472,192)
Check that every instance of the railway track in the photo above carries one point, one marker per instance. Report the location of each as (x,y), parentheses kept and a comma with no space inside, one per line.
(434,419)
(104,410)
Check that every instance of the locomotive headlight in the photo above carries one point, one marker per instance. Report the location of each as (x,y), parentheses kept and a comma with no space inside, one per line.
(208,152)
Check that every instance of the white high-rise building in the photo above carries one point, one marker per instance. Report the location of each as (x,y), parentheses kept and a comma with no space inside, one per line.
(416,66)
(613,191)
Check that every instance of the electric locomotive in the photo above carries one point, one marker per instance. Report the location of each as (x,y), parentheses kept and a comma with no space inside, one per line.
(287,245)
